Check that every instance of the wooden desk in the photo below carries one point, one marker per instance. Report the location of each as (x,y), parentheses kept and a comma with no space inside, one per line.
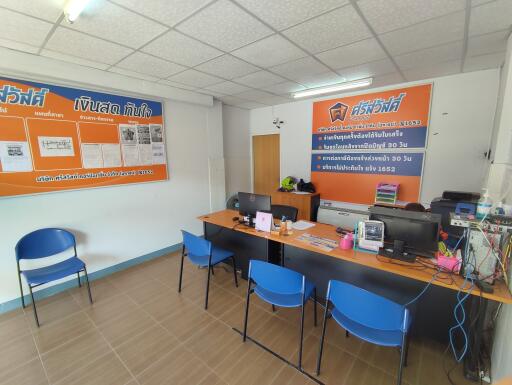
(225,219)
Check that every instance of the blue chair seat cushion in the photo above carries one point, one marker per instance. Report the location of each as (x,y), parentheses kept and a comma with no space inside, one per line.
(374,336)
(53,272)
(218,255)
(284,300)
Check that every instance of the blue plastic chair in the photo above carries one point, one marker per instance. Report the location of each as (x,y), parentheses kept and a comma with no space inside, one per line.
(368,316)
(279,286)
(203,254)
(45,243)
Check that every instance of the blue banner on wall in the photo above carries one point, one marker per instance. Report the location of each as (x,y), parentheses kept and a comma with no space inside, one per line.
(400,138)
(400,164)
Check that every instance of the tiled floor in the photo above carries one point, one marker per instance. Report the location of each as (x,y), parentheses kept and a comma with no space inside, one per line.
(141,331)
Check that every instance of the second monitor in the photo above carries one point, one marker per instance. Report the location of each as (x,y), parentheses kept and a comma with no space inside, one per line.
(250,203)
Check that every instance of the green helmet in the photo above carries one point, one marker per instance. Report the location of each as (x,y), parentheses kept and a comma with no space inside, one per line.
(288,183)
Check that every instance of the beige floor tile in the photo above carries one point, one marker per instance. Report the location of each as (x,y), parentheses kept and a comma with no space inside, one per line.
(178,367)
(16,352)
(13,327)
(101,290)
(52,309)
(164,305)
(120,329)
(235,316)
(30,373)
(335,335)
(139,352)
(106,370)
(212,379)
(219,301)
(65,359)
(51,336)
(105,311)
(147,292)
(187,321)
(128,279)
(291,376)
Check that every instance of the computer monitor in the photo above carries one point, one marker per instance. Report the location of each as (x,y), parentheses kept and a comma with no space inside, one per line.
(417,232)
(249,203)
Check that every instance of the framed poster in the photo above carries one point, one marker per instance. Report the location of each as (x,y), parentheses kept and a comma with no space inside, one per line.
(55,138)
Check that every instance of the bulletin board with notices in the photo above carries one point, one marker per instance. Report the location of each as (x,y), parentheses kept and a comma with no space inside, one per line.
(55,138)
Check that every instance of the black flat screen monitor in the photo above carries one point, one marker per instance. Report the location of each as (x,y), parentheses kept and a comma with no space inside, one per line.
(249,203)
(419,231)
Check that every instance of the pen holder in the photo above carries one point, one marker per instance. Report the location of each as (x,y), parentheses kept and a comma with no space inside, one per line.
(347,242)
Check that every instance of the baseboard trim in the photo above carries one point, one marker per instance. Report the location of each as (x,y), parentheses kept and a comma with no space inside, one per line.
(63,286)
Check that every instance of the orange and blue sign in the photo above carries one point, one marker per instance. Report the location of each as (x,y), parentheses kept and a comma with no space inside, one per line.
(55,138)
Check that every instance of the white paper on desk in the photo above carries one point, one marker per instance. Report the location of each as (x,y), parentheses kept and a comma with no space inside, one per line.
(111,155)
(300,192)
(91,155)
(302,225)
(15,156)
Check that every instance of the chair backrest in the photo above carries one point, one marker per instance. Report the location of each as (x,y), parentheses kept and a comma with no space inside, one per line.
(275,278)
(196,245)
(367,308)
(44,243)
(290,212)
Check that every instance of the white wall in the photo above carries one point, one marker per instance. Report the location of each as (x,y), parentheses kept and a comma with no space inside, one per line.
(237,149)
(115,224)
(461,121)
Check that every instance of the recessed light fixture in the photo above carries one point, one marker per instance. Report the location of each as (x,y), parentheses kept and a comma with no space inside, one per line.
(335,87)
(73,9)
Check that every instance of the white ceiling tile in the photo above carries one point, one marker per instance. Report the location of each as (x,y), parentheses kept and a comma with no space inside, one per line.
(111,22)
(433,71)
(227,66)
(254,95)
(227,88)
(86,47)
(366,70)
(133,74)
(211,93)
(298,69)
(270,51)
(339,27)
(23,29)
(16,45)
(232,100)
(490,17)
(168,12)
(489,43)
(474,3)
(427,34)
(259,79)
(181,49)
(353,54)
(274,100)
(386,80)
(45,9)
(224,25)
(285,88)
(150,65)
(195,79)
(249,105)
(285,13)
(483,62)
(73,59)
(177,85)
(429,56)
(388,15)
(321,80)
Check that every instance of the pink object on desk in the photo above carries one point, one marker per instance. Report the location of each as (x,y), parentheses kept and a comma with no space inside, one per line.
(449,263)
(263,221)
(347,241)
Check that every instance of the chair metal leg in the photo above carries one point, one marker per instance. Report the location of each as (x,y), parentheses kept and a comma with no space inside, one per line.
(181,267)
(301,334)
(88,284)
(34,305)
(211,268)
(247,308)
(273,308)
(234,271)
(408,340)
(207,288)
(403,352)
(347,334)
(321,348)
(21,291)
(314,306)
(78,278)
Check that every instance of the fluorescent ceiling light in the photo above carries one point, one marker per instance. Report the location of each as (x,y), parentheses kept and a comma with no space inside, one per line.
(335,87)
(74,8)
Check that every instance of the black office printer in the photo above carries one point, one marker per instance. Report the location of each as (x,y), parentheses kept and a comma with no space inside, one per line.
(446,205)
